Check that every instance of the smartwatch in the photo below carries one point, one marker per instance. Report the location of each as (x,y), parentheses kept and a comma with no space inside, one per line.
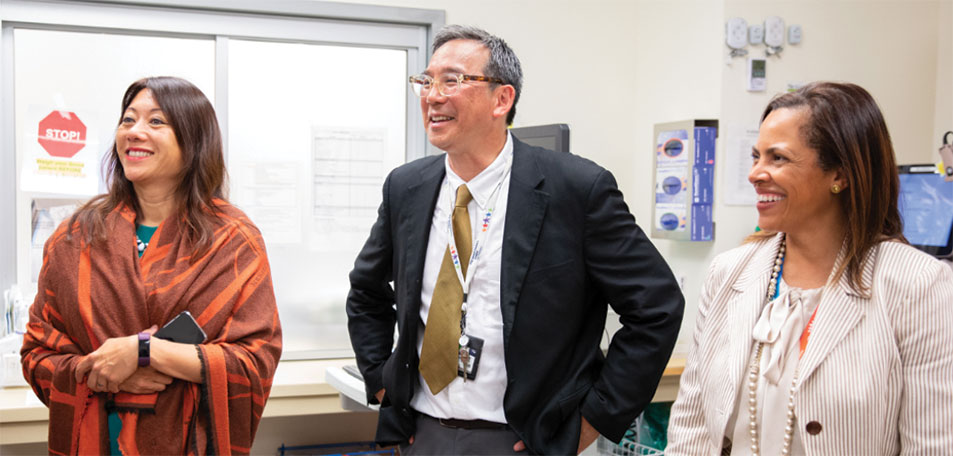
(144,339)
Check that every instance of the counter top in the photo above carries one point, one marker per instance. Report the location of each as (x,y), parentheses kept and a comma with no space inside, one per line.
(299,388)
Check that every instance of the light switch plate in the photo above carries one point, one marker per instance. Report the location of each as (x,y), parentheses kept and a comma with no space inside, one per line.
(756,33)
(794,34)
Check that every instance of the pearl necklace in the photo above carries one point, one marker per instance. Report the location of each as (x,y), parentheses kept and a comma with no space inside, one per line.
(756,369)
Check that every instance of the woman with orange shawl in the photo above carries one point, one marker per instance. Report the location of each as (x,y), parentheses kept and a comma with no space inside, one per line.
(162,241)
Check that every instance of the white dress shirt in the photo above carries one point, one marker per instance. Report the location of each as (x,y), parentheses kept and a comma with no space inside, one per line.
(481,398)
(780,327)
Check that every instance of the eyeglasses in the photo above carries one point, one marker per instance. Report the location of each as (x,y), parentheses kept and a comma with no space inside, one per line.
(447,84)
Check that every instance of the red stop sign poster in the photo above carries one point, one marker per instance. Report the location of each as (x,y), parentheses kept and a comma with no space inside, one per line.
(62,134)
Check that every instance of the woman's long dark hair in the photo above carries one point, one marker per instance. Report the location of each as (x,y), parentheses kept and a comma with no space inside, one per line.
(848,131)
(201,180)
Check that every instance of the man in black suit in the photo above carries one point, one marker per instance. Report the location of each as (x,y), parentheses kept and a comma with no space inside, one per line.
(498,350)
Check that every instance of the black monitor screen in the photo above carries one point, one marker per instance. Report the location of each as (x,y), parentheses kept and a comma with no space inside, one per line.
(553,136)
(926,206)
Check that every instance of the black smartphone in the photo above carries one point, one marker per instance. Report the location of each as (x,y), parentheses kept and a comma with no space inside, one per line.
(183,328)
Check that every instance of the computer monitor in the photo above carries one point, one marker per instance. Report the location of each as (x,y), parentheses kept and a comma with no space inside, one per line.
(553,136)
(926,207)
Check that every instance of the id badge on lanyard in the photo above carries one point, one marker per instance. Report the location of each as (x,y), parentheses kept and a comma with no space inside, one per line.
(471,347)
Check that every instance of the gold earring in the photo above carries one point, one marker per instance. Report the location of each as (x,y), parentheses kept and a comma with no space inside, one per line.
(835,188)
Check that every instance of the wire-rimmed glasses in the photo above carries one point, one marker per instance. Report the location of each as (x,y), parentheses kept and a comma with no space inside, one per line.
(447,84)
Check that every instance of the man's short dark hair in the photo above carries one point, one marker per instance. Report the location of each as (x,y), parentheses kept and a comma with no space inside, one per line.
(502,63)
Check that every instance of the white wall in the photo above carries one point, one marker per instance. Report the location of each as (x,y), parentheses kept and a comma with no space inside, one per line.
(943,114)
(891,48)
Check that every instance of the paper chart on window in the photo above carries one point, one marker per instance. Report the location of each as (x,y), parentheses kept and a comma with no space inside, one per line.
(269,192)
(348,170)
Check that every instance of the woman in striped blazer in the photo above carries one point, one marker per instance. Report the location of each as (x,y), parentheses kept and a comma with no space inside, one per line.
(824,334)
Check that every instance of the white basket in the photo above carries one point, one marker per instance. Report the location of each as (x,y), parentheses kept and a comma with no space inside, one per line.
(625,447)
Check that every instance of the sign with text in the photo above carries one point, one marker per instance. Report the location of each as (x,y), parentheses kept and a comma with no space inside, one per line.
(62,134)
(59,152)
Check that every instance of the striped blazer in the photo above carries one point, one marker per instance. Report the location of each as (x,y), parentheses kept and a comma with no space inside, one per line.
(877,375)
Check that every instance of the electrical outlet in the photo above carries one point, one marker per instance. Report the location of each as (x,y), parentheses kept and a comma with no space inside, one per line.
(774,31)
(736,33)
(12,374)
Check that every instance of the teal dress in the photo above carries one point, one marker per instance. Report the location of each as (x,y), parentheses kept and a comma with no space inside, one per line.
(143,236)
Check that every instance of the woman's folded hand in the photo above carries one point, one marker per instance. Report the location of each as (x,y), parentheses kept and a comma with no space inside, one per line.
(145,380)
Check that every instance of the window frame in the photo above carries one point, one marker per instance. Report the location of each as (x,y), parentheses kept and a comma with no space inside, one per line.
(292,21)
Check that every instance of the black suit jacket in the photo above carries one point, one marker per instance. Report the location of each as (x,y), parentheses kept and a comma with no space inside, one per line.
(570,247)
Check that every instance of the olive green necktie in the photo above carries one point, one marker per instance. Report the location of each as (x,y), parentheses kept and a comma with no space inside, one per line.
(438,356)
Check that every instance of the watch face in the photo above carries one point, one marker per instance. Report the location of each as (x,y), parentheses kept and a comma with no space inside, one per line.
(144,355)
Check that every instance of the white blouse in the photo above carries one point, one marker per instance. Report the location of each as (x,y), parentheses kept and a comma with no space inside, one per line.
(779,327)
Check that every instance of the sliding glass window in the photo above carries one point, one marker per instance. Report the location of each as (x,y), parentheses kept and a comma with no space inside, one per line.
(311,96)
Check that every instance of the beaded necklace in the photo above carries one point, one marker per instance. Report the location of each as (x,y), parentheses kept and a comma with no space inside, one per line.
(773,286)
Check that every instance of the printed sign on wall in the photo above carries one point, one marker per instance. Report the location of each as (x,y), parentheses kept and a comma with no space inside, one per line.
(60,153)
(62,134)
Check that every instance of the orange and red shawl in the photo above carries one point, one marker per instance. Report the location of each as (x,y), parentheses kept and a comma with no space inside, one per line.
(88,294)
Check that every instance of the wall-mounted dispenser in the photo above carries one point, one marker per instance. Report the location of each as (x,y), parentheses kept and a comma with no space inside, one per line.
(684,180)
